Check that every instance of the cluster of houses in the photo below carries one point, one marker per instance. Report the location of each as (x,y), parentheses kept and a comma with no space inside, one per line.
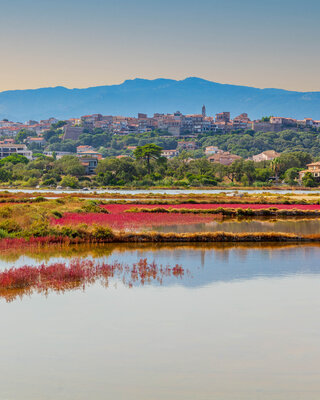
(176,124)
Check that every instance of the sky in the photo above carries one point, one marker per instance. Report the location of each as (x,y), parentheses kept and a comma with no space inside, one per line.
(82,43)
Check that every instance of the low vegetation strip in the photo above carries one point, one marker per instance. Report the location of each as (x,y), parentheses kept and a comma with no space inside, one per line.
(104,235)
(78,273)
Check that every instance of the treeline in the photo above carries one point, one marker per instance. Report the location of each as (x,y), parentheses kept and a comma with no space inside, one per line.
(249,143)
(148,168)
(244,143)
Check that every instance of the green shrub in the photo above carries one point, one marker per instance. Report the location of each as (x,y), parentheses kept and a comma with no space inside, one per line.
(39,199)
(5,212)
(3,234)
(92,206)
(57,214)
(10,226)
(101,232)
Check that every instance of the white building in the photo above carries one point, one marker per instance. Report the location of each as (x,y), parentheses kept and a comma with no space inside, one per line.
(170,153)
(211,150)
(11,149)
(267,155)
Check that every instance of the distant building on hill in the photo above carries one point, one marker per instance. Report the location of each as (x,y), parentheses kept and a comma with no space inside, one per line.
(267,155)
(72,132)
(210,150)
(12,149)
(223,117)
(38,141)
(313,168)
(89,163)
(224,158)
(169,153)
(84,148)
(186,145)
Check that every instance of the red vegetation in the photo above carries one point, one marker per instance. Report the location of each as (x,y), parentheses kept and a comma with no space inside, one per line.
(119,219)
(120,208)
(60,276)
(130,221)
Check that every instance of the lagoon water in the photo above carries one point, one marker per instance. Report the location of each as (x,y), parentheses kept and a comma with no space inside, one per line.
(243,323)
(165,191)
(298,226)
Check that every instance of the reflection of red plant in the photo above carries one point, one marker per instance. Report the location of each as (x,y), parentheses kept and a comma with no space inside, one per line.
(60,276)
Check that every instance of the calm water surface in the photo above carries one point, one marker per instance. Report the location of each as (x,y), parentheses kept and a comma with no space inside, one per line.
(243,324)
(164,191)
(298,226)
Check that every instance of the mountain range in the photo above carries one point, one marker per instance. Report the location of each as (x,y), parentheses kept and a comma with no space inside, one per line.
(157,96)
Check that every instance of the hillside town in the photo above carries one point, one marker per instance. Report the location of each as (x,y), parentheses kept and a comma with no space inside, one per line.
(184,128)
(97,137)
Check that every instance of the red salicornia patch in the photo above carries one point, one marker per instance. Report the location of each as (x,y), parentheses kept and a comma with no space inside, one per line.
(132,221)
(120,208)
(79,273)
(120,219)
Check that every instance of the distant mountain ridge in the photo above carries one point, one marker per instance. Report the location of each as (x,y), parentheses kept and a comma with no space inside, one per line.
(157,96)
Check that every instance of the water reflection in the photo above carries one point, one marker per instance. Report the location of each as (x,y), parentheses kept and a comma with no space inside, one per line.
(298,226)
(206,262)
(245,326)
(77,274)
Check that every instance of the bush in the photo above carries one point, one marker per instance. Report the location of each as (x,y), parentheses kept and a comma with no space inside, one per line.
(49,182)
(308,180)
(40,229)
(92,206)
(39,199)
(10,226)
(3,234)
(101,232)
(70,181)
(57,214)
(73,232)
(5,212)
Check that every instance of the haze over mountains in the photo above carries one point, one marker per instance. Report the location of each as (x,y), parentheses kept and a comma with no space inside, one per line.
(157,96)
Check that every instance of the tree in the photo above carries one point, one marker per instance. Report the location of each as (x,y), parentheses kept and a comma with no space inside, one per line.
(4,175)
(201,166)
(308,180)
(249,171)
(148,152)
(276,166)
(58,124)
(70,165)
(14,159)
(265,119)
(23,134)
(291,175)
(263,174)
(115,171)
(70,181)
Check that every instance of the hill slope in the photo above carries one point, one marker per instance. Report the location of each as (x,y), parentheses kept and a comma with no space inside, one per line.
(159,95)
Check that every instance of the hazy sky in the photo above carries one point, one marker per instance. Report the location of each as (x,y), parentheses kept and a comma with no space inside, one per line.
(81,43)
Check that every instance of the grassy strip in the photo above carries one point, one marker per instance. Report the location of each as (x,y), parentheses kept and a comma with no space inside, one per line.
(232,212)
